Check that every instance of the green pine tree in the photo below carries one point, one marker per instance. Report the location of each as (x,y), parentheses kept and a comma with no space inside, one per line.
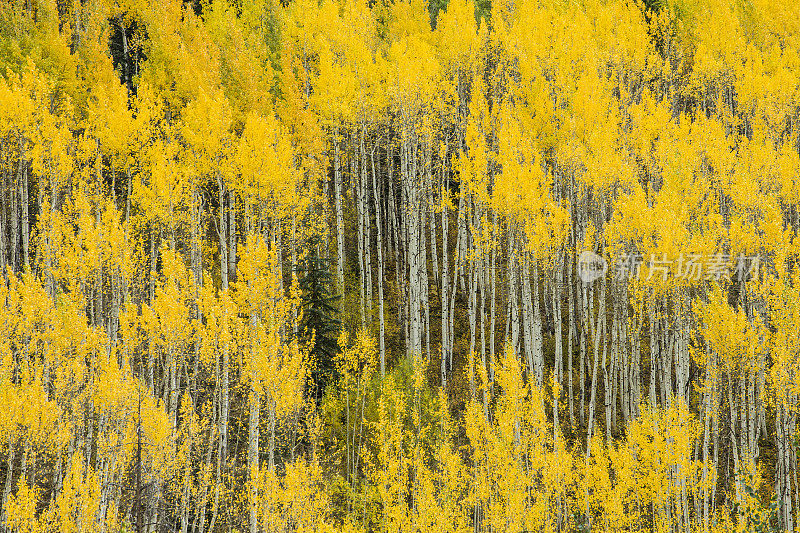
(319,321)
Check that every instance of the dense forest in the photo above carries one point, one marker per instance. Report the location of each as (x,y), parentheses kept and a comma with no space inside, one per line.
(338,265)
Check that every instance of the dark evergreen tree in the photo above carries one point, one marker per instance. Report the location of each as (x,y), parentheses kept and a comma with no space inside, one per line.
(319,321)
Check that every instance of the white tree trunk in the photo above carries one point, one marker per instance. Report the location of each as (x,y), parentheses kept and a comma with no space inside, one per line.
(231,235)
(599,330)
(252,457)
(379,225)
(223,240)
(416,267)
(337,192)
(445,291)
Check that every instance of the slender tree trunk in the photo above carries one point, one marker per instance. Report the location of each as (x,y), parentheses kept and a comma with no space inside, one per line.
(9,475)
(424,287)
(570,286)
(557,334)
(513,298)
(584,342)
(379,226)
(225,404)
(223,234)
(3,213)
(252,458)
(358,193)
(232,236)
(414,253)
(367,229)
(445,333)
(15,208)
(472,280)
(25,220)
(733,440)
(493,273)
(599,330)
(653,331)
(706,439)
(337,190)
(433,241)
